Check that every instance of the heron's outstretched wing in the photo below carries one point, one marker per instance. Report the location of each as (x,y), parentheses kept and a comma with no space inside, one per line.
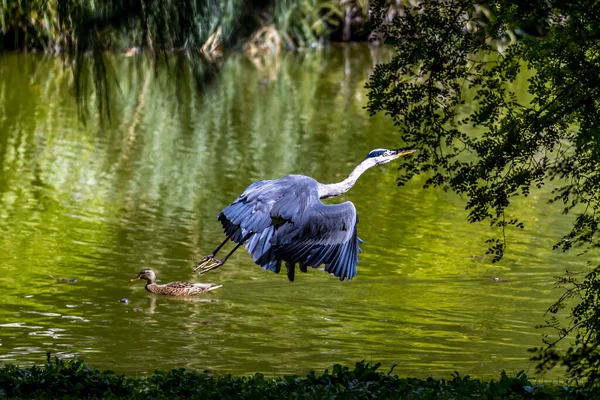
(267,203)
(322,234)
(251,211)
(289,223)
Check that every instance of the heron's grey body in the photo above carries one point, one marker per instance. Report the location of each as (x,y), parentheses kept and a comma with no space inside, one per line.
(284,220)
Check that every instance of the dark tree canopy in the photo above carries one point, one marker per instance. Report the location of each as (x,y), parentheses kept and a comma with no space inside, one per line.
(445,47)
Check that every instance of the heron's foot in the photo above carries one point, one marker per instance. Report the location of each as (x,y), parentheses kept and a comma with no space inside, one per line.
(211,265)
(204,261)
(208,263)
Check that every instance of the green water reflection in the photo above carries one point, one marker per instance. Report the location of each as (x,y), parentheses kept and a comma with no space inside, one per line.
(100,201)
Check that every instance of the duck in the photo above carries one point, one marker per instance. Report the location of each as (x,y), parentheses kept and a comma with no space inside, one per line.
(173,288)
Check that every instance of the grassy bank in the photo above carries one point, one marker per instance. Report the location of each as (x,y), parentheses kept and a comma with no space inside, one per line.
(74,379)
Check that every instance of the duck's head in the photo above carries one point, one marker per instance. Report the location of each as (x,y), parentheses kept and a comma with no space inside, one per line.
(146,274)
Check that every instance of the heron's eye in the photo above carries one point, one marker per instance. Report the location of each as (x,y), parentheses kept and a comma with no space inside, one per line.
(387,153)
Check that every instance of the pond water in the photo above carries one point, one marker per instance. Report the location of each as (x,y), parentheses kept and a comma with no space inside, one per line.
(99,201)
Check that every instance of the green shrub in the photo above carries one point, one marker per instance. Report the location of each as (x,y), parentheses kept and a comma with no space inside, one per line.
(73,379)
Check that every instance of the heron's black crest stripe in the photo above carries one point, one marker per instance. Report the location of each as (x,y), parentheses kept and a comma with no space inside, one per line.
(375,153)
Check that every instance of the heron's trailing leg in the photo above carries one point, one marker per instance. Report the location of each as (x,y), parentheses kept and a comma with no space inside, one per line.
(210,263)
(212,255)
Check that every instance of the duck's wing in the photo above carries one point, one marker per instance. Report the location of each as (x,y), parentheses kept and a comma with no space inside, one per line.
(186,288)
(206,287)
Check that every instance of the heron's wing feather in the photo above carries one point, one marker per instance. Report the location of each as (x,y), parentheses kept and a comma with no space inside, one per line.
(267,203)
(285,199)
(250,211)
(321,234)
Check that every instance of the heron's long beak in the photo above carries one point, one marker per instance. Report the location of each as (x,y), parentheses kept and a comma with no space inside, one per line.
(137,278)
(400,153)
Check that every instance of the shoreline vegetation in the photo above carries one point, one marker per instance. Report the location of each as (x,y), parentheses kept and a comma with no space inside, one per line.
(206,27)
(59,378)
(193,36)
(210,27)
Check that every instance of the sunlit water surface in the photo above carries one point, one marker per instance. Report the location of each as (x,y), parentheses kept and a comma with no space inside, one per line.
(98,202)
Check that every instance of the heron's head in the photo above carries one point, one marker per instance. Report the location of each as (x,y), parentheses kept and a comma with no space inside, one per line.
(146,274)
(382,156)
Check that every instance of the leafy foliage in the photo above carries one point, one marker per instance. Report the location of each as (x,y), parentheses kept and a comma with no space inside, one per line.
(293,24)
(42,24)
(582,360)
(521,143)
(518,144)
(73,379)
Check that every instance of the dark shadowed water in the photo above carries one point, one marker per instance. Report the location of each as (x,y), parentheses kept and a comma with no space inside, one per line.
(100,201)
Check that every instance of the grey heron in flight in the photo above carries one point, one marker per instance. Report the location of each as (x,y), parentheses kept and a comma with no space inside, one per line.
(284,220)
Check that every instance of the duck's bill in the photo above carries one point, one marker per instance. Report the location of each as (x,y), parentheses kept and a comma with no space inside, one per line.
(400,153)
(137,278)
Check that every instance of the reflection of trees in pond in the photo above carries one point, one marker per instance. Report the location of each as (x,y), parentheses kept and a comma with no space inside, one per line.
(171,154)
(168,153)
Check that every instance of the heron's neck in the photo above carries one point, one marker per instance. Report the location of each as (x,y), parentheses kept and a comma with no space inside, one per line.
(335,189)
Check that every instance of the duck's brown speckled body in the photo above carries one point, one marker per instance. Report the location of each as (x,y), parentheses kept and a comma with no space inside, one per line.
(173,288)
